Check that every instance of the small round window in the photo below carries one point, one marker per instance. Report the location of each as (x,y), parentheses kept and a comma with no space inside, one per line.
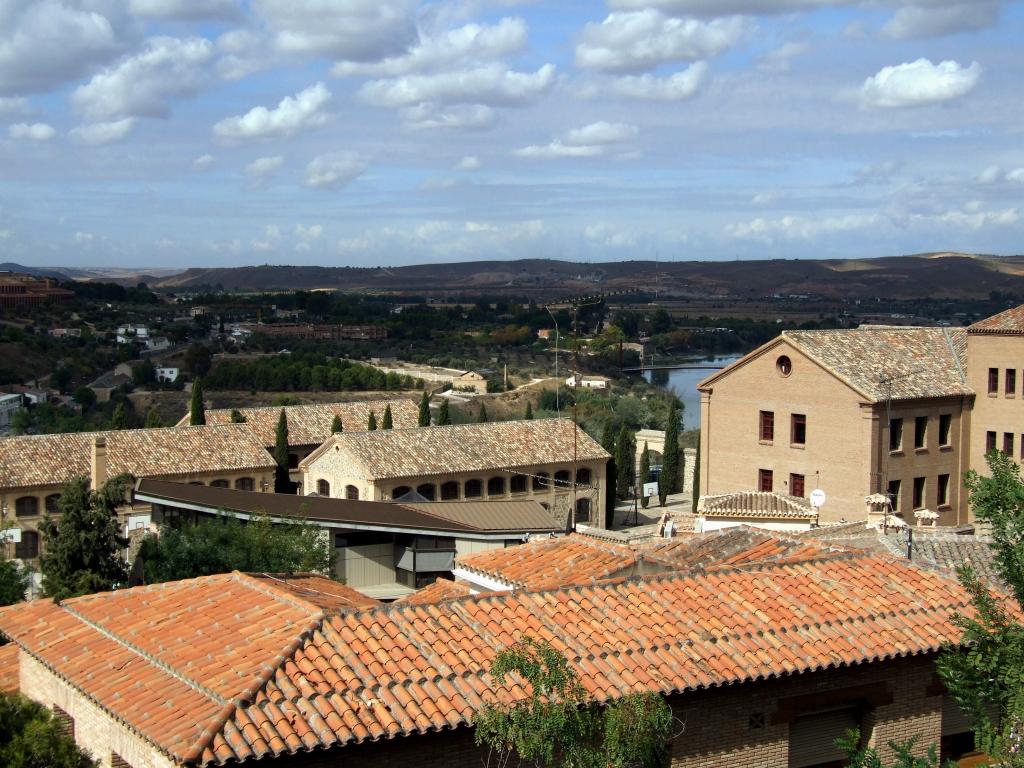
(784,365)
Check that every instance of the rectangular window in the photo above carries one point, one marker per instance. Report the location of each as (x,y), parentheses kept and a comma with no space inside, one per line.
(918,492)
(767,426)
(796,485)
(993,380)
(895,434)
(920,431)
(798,429)
(894,494)
(945,428)
(942,496)
(764,480)
(990,441)
(1008,443)
(1011,381)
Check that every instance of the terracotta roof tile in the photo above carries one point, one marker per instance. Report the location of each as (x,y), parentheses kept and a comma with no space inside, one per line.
(441,589)
(1008,321)
(396,453)
(10,668)
(756,504)
(326,594)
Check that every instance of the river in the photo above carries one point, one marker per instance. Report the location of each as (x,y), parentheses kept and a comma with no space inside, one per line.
(683,381)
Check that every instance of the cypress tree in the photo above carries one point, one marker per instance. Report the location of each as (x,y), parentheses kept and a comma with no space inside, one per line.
(237,417)
(670,463)
(625,462)
(198,412)
(424,420)
(608,443)
(696,478)
(119,419)
(481,417)
(336,425)
(282,481)
(528,416)
(153,419)
(387,422)
(371,422)
(444,417)
(645,472)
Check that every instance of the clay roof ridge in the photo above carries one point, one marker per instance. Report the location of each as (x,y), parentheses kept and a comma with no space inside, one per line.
(947,334)
(278,593)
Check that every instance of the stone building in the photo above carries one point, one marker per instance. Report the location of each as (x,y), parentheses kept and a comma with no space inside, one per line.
(550,460)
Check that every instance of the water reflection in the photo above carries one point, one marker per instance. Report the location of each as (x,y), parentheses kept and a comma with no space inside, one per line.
(684,381)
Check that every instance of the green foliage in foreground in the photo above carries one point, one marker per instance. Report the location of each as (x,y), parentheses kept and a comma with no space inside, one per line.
(30,737)
(868,757)
(555,725)
(224,544)
(13,582)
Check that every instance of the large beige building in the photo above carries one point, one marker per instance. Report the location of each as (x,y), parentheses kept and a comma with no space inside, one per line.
(550,460)
(900,411)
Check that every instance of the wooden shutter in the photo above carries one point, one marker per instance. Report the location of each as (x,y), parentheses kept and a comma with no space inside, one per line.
(812,738)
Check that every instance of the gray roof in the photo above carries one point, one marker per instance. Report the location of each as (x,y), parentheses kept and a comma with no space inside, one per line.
(757,505)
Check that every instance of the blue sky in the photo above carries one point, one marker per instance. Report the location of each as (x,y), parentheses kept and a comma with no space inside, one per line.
(175,133)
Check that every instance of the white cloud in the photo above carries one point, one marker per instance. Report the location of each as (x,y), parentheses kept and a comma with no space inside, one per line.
(633,42)
(460,116)
(927,20)
(490,85)
(589,141)
(269,240)
(292,114)
(972,217)
(204,162)
(14,106)
(84,238)
(307,236)
(780,59)
(991,175)
(675,87)
(1016,176)
(334,171)
(142,85)
(103,133)
(190,10)
(798,227)
(918,83)
(264,165)
(472,42)
(609,236)
(31,131)
(468,163)
(44,43)
(353,30)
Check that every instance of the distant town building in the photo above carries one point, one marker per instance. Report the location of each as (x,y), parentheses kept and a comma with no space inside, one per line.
(18,291)
(66,333)
(167,375)
(319,332)
(132,334)
(10,404)
(588,381)
(158,344)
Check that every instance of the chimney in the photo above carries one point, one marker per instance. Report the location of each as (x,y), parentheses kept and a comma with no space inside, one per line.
(98,474)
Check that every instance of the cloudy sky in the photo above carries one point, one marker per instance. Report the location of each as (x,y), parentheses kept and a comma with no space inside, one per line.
(173,133)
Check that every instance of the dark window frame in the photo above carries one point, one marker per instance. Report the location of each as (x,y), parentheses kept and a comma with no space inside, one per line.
(920,432)
(942,491)
(917,500)
(798,429)
(323,487)
(945,430)
(766,426)
(895,434)
(993,381)
(797,485)
(1010,381)
(765,480)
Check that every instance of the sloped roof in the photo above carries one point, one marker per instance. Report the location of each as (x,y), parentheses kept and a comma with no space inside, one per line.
(397,453)
(441,589)
(328,595)
(311,424)
(757,504)
(47,460)
(224,669)
(898,362)
(10,668)
(1007,321)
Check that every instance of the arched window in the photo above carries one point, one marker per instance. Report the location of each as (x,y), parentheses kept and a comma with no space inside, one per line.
(562,478)
(50,503)
(244,484)
(323,487)
(26,506)
(449,491)
(426,491)
(28,547)
(517,484)
(583,476)
(496,486)
(351,492)
(541,481)
(220,484)
(400,491)
(474,489)
(582,510)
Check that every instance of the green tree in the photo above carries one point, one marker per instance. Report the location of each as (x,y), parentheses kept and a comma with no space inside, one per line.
(198,360)
(31,737)
(556,725)
(371,422)
(13,582)
(336,425)
(144,372)
(61,378)
(645,472)
(81,551)
(481,416)
(85,397)
(444,417)
(868,757)
(197,413)
(670,464)
(424,417)
(153,419)
(119,419)
(237,417)
(984,672)
(387,422)
(696,478)
(625,462)
(282,480)
(528,416)
(608,443)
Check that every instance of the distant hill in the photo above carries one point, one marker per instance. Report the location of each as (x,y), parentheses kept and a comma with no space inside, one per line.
(10,266)
(953,275)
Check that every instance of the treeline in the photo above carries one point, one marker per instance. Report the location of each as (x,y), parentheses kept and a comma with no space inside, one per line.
(303,373)
(140,294)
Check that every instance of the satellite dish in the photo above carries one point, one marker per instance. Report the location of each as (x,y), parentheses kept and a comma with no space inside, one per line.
(818,498)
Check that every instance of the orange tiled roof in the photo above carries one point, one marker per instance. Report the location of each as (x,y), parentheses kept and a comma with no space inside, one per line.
(441,589)
(326,594)
(221,669)
(1008,321)
(311,424)
(10,668)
